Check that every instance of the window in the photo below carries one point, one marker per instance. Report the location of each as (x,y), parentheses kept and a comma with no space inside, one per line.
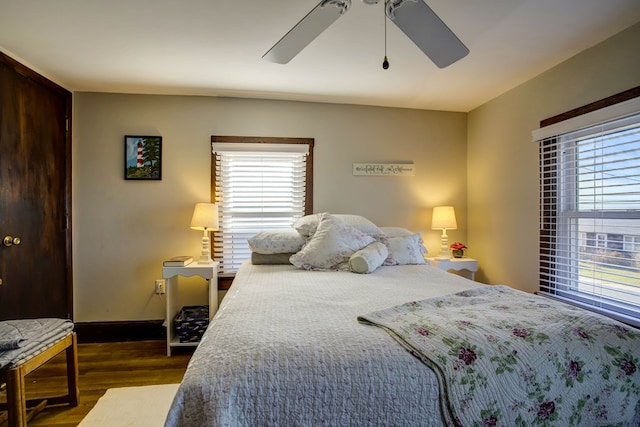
(631,244)
(259,184)
(590,215)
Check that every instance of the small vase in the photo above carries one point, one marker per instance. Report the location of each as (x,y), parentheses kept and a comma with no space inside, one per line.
(457,253)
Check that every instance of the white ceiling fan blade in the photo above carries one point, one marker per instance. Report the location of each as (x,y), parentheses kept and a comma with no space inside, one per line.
(427,31)
(305,31)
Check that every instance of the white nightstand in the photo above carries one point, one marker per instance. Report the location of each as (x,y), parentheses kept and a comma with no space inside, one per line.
(208,272)
(467,266)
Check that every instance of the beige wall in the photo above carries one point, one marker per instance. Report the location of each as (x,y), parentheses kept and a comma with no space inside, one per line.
(502,176)
(122,230)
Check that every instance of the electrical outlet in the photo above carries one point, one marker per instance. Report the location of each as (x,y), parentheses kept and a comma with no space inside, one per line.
(160,287)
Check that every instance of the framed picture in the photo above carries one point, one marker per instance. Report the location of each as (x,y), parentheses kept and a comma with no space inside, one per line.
(142,157)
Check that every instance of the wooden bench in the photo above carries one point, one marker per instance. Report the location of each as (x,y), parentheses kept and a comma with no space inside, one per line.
(17,403)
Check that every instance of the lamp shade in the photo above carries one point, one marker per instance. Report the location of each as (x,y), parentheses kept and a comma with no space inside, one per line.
(444,218)
(205,217)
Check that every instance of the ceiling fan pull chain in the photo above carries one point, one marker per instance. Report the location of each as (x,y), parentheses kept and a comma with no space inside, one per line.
(385,62)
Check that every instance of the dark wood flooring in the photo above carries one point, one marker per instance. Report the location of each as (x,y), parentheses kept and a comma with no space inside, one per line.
(103,366)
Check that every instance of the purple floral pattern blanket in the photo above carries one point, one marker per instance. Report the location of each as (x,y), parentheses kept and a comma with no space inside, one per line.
(508,358)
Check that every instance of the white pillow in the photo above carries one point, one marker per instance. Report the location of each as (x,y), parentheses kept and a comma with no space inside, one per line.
(405,250)
(401,232)
(308,224)
(396,232)
(276,242)
(331,245)
(368,259)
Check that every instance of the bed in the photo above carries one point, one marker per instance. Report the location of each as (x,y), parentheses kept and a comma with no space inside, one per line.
(294,346)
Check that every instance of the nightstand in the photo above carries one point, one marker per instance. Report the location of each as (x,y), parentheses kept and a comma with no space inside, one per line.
(467,266)
(209,272)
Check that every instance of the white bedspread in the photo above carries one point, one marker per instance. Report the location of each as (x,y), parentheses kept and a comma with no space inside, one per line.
(286,349)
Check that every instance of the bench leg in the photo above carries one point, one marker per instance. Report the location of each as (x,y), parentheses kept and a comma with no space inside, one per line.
(72,372)
(16,392)
(16,399)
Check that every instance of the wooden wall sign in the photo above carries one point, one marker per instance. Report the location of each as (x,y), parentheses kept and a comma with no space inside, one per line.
(384,169)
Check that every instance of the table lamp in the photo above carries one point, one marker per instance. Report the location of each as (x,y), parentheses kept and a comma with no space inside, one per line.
(444,218)
(205,217)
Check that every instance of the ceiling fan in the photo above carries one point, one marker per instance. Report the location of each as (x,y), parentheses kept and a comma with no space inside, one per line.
(413,17)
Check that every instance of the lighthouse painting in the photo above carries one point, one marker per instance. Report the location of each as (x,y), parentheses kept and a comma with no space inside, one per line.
(143,157)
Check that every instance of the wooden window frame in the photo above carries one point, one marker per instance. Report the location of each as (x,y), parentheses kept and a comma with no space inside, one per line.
(225,281)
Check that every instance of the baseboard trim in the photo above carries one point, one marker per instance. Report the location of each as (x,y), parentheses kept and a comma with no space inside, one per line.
(138,330)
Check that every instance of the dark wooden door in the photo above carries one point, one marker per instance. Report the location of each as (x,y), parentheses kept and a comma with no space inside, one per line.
(35,195)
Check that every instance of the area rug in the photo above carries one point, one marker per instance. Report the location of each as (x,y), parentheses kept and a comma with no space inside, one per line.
(145,406)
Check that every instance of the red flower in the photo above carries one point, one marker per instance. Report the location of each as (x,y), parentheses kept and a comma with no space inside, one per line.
(520,332)
(546,409)
(628,367)
(573,370)
(422,331)
(467,355)
(458,246)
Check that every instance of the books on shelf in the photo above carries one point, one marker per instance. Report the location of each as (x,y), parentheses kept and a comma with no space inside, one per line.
(178,261)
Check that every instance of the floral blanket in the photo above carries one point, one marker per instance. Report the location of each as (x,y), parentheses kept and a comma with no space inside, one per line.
(507,358)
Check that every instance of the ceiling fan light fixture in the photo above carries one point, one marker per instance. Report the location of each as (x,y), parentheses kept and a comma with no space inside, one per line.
(343,5)
(391,6)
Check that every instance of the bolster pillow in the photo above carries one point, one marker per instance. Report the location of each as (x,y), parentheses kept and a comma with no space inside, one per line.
(369,258)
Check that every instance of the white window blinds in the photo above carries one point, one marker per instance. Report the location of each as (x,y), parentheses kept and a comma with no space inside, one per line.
(257,187)
(590,216)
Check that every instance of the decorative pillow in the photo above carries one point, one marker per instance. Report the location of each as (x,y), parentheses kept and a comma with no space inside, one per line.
(331,245)
(368,259)
(401,232)
(405,250)
(276,242)
(269,259)
(308,224)
(396,232)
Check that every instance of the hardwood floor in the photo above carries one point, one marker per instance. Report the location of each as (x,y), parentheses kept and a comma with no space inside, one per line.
(103,366)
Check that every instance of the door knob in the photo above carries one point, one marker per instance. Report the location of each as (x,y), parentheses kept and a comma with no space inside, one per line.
(10,241)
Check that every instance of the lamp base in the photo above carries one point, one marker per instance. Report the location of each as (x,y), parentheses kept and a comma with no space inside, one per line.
(205,255)
(444,247)
(205,260)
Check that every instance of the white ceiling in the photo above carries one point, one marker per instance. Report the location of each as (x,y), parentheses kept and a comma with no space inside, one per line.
(214,47)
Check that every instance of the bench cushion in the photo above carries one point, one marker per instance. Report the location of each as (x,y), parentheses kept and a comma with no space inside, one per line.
(22,339)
